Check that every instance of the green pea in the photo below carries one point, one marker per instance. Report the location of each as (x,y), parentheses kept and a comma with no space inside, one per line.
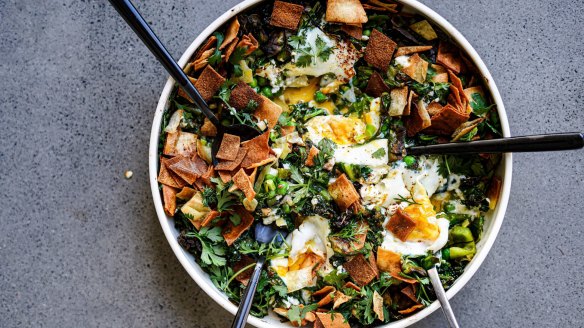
(320,97)
(409,160)
(367,32)
(267,91)
(282,188)
(446,253)
(448,207)
(261,81)
(253,83)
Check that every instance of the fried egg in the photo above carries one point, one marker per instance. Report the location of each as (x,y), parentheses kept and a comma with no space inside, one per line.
(309,249)
(339,129)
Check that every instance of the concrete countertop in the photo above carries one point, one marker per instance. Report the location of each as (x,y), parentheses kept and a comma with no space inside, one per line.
(80,246)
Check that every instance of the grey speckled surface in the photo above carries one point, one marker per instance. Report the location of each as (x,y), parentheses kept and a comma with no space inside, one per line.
(80,246)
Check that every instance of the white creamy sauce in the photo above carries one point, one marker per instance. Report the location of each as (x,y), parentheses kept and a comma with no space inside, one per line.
(403,61)
(363,154)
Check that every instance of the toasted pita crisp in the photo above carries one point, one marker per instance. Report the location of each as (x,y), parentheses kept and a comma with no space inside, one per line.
(188,168)
(410,293)
(257,148)
(230,33)
(458,84)
(268,111)
(433,108)
(243,277)
(208,220)
(418,119)
(440,77)
(345,11)
(242,181)
(286,15)
(203,60)
(411,97)
(424,29)
(340,299)
(401,225)
(286,130)
(183,94)
(209,83)
(225,176)
(376,86)
(468,92)
(208,45)
(311,154)
(378,305)
(206,177)
(446,121)
(417,69)
(232,232)
(186,193)
(169,199)
(388,261)
(242,94)
(351,285)
(248,42)
(208,129)
(360,270)
(343,192)
(330,320)
(229,50)
(167,177)
(232,165)
(229,147)
(355,31)
(379,51)
(170,143)
(494,191)
(449,57)
(326,295)
(411,309)
(465,128)
(455,100)
(391,7)
(399,100)
(402,51)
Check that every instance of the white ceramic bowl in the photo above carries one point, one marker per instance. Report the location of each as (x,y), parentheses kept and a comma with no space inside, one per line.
(493,220)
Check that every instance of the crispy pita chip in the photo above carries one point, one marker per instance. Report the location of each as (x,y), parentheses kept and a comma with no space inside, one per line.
(229,50)
(330,320)
(186,193)
(455,100)
(169,199)
(310,158)
(411,96)
(242,181)
(465,128)
(183,94)
(209,83)
(354,31)
(286,130)
(229,147)
(326,295)
(270,159)
(360,269)
(231,232)
(376,86)
(418,119)
(345,11)
(188,168)
(225,176)
(230,33)
(351,285)
(468,92)
(257,148)
(411,309)
(401,225)
(379,50)
(494,191)
(391,7)
(410,293)
(378,305)
(388,261)
(209,218)
(433,108)
(206,177)
(203,60)
(241,96)
(343,192)
(208,129)
(205,47)
(402,51)
(232,165)
(456,82)
(446,121)
(449,57)
(340,299)
(243,277)
(417,69)
(167,177)
(170,143)
(424,29)
(440,78)
(248,42)
(268,111)
(351,246)
(286,15)
(399,100)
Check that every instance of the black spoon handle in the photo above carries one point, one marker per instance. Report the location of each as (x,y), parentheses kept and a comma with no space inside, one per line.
(543,142)
(127,10)
(247,299)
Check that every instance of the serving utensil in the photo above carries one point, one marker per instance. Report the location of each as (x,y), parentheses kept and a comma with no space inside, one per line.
(534,143)
(263,234)
(131,15)
(441,294)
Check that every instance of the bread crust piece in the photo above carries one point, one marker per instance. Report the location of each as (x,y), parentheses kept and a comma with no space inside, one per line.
(345,11)
(243,182)
(379,51)
(361,270)
(229,147)
(286,15)
(401,225)
(376,86)
(231,232)
(418,119)
(169,197)
(446,121)
(242,94)
(209,83)
(268,111)
(330,320)
(343,192)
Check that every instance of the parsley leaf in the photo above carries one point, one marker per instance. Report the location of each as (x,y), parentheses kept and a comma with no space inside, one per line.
(297,313)
(216,56)
(379,153)
(479,105)
(323,51)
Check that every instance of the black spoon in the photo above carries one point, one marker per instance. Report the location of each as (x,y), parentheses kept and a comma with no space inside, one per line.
(127,10)
(535,143)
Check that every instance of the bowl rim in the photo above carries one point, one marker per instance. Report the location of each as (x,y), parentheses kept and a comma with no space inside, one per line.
(202,279)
